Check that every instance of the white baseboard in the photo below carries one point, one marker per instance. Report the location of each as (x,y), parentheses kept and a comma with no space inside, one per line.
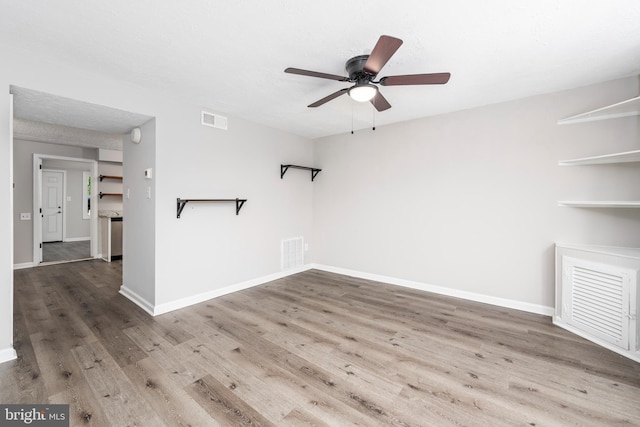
(7,354)
(76,239)
(163,308)
(23,265)
(501,302)
(137,299)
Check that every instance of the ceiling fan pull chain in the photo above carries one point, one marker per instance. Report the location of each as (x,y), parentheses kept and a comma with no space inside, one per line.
(373,119)
(352,119)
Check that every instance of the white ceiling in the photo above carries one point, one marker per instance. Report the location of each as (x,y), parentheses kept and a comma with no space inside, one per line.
(229,56)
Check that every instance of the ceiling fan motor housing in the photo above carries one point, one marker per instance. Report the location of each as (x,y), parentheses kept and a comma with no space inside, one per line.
(355,67)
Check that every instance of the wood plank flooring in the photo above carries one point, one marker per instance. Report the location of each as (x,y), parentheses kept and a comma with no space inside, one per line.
(66,251)
(314,349)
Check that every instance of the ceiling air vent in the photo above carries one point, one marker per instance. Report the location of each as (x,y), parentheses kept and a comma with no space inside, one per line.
(214,120)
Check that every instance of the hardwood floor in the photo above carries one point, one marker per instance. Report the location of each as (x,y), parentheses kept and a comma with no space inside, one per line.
(315,349)
(66,251)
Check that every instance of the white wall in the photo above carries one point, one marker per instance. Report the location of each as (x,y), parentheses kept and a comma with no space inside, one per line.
(467,201)
(210,247)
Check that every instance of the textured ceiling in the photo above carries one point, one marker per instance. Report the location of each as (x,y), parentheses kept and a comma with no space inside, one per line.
(43,107)
(229,56)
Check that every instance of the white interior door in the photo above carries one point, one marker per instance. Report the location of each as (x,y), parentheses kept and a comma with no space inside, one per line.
(52,193)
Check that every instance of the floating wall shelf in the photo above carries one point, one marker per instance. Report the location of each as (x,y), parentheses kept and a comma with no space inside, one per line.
(625,157)
(182,202)
(109,177)
(600,204)
(285,168)
(110,194)
(630,107)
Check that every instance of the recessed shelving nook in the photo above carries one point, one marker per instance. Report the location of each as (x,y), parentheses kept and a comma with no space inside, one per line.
(628,108)
(597,287)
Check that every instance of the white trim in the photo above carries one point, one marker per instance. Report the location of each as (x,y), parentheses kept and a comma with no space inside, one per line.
(635,356)
(76,239)
(137,299)
(501,302)
(8,354)
(196,299)
(23,265)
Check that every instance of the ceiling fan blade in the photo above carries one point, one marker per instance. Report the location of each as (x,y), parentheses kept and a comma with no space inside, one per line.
(383,50)
(380,102)
(328,98)
(416,79)
(316,74)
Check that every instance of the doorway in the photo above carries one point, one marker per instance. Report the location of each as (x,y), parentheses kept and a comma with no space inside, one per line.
(64,228)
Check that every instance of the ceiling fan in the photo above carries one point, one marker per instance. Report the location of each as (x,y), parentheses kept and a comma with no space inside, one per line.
(362,71)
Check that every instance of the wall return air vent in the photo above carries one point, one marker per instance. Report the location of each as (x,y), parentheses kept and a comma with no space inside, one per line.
(213,120)
(292,251)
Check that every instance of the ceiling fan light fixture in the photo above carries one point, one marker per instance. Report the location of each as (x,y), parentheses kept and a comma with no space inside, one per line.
(363,92)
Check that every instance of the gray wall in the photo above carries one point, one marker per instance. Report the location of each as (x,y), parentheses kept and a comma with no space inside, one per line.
(468,201)
(23,192)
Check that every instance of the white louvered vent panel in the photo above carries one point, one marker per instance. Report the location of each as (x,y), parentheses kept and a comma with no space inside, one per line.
(213,120)
(292,253)
(598,300)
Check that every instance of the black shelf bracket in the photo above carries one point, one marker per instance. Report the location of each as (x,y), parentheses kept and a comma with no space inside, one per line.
(183,202)
(285,168)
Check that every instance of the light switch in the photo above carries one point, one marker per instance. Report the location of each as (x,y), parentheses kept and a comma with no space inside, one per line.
(148,173)
(25,216)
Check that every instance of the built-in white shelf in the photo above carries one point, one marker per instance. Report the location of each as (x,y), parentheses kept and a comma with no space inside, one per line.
(600,204)
(625,157)
(630,107)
